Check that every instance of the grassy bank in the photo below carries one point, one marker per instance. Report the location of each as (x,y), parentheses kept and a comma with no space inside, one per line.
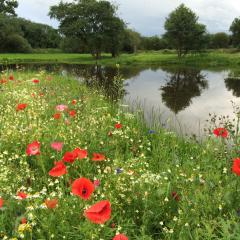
(159,186)
(211,59)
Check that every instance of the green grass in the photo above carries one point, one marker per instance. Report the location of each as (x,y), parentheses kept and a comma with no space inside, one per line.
(154,165)
(210,59)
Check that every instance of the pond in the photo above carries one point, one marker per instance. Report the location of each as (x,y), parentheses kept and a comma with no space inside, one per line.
(179,98)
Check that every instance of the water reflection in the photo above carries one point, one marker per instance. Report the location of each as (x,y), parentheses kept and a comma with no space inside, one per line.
(181,86)
(233,82)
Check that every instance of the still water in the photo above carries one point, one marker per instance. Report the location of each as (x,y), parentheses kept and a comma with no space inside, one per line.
(179,98)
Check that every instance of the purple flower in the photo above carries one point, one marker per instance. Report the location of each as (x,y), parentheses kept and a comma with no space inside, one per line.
(151,131)
(119,170)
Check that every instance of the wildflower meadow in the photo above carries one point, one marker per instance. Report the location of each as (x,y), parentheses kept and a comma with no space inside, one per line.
(75,166)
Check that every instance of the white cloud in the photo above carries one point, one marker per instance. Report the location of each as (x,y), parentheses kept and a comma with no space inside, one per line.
(148,16)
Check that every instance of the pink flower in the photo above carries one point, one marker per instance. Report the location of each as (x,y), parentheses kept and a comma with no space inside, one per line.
(61,107)
(96,183)
(57,146)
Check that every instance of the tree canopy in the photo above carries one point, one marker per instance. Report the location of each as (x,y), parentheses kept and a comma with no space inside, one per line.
(21,35)
(8,7)
(235,29)
(93,22)
(183,30)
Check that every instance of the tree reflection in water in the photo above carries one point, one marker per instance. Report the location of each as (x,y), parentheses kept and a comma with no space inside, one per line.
(232,82)
(182,85)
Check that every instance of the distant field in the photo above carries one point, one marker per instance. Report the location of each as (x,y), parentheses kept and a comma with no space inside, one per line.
(211,59)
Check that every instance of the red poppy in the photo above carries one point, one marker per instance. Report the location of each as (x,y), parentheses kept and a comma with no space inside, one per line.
(23,220)
(41,94)
(220,132)
(22,195)
(51,204)
(74,101)
(80,153)
(83,188)
(236,166)
(11,77)
(98,157)
(120,237)
(57,115)
(58,170)
(57,146)
(175,196)
(33,148)
(72,113)
(35,81)
(1,202)
(69,157)
(118,125)
(21,106)
(99,213)
(3,80)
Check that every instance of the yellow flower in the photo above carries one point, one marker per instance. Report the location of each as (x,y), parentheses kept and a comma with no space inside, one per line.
(24,228)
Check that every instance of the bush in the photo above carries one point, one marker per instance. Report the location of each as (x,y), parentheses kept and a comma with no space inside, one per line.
(15,43)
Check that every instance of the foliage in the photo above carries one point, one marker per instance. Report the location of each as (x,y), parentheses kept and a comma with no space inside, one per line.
(73,45)
(235,30)
(34,35)
(15,43)
(183,31)
(154,43)
(93,23)
(8,7)
(132,41)
(219,40)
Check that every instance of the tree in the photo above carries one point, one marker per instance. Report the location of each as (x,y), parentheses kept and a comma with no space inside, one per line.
(219,40)
(153,43)
(8,7)
(21,35)
(115,36)
(92,22)
(132,41)
(235,29)
(183,30)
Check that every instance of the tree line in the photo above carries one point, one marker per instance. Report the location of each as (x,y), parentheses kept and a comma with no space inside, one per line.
(91,26)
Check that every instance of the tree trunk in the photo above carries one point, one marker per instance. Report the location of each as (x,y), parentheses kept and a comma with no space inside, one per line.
(98,55)
(114,54)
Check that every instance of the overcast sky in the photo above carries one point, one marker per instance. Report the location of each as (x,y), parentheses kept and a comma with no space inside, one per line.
(148,16)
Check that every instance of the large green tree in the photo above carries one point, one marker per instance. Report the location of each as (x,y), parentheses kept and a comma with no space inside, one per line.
(8,7)
(93,22)
(183,30)
(235,29)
